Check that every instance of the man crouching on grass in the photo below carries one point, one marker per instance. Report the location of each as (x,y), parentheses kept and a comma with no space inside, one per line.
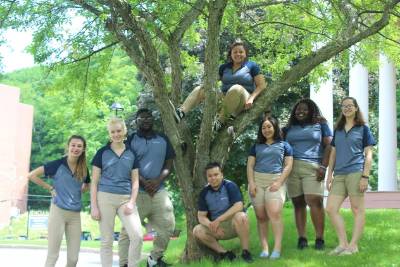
(221,215)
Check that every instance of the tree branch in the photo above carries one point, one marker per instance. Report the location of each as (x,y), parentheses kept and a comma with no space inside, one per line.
(88,56)
(266,3)
(291,26)
(2,21)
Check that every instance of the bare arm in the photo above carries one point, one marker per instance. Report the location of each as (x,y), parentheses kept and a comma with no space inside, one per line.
(96,173)
(326,142)
(152,186)
(34,176)
(287,168)
(134,192)
(367,168)
(331,166)
(259,80)
(251,161)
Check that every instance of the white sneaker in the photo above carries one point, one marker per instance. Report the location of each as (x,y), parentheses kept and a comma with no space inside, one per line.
(151,262)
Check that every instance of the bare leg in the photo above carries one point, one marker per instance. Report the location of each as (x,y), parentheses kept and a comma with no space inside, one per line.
(332,208)
(207,239)
(262,226)
(300,215)
(274,209)
(358,208)
(315,202)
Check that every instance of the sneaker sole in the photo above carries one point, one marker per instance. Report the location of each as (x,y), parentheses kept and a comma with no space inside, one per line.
(176,117)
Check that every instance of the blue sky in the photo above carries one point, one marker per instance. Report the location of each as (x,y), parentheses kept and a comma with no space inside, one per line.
(14,56)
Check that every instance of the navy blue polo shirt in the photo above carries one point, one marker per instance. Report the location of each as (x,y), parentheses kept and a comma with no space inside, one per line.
(307,141)
(217,202)
(270,158)
(116,171)
(350,148)
(67,186)
(243,76)
(152,152)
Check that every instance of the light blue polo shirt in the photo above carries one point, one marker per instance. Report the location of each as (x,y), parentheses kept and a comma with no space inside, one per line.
(350,148)
(116,171)
(67,186)
(243,76)
(151,152)
(307,141)
(270,158)
(217,202)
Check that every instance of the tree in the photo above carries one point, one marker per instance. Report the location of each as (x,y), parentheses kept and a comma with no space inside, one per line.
(292,39)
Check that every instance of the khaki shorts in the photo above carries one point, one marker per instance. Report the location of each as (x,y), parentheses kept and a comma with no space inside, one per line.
(347,185)
(227,226)
(263,181)
(303,179)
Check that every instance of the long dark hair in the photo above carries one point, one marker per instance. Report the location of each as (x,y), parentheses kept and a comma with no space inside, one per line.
(358,118)
(277,130)
(80,171)
(237,42)
(314,113)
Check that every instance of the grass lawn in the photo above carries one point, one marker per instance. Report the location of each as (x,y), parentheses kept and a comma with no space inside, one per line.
(380,245)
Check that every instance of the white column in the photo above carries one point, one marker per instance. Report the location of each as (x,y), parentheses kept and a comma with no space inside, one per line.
(358,86)
(387,169)
(322,95)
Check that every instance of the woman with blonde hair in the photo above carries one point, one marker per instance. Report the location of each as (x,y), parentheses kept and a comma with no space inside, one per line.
(71,178)
(349,167)
(113,192)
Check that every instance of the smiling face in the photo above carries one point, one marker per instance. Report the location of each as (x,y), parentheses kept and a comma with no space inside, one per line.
(348,108)
(75,148)
(145,121)
(302,112)
(214,177)
(238,54)
(116,132)
(268,130)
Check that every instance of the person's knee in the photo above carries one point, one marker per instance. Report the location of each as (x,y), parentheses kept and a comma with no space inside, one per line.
(198,232)
(240,219)
(357,210)
(236,89)
(299,202)
(275,215)
(262,218)
(314,201)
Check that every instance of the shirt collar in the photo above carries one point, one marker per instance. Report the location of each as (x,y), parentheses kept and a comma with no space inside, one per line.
(149,136)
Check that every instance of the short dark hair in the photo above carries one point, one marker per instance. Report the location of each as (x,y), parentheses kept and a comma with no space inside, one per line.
(143,110)
(212,165)
(277,130)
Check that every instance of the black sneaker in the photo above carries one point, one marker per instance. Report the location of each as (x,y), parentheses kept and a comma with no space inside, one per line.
(319,244)
(229,255)
(178,113)
(302,243)
(246,256)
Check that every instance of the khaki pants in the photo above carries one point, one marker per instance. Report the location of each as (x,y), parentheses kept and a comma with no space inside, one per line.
(160,213)
(63,221)
(232,103)
(111,205)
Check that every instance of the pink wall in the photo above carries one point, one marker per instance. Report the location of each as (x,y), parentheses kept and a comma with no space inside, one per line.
(15,141)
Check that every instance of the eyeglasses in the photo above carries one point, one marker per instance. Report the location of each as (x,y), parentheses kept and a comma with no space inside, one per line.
(347,106)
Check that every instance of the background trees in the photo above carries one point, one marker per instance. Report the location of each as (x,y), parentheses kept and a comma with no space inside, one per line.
(169,41)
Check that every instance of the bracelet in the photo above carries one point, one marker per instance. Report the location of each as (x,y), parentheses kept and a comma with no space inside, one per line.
(323,167)
(365,177)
